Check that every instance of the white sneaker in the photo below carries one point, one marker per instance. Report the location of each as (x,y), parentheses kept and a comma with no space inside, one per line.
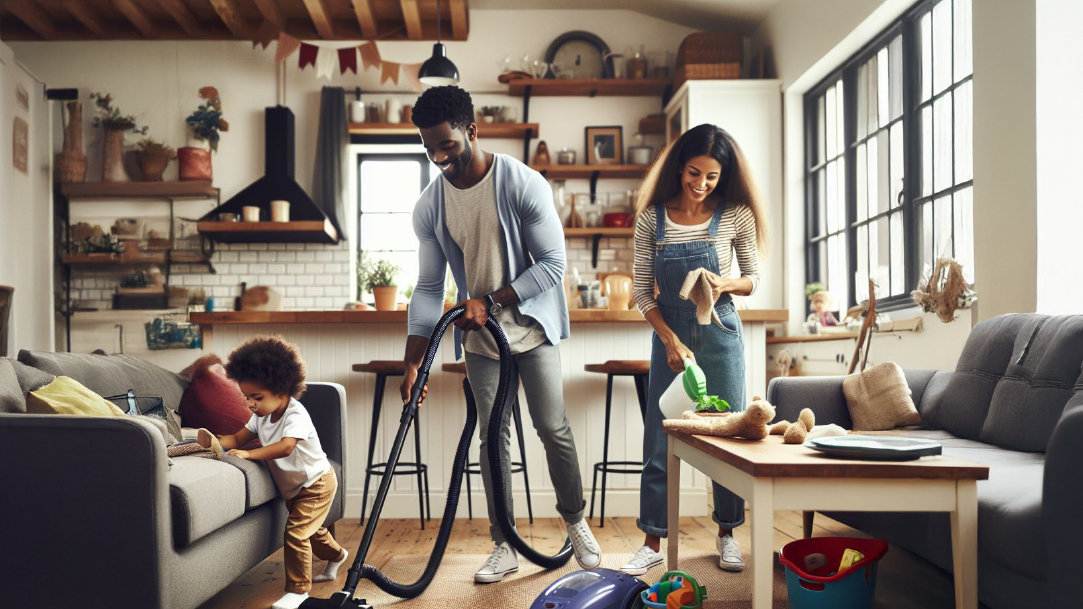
(587,552)
(502,561)
(729,554)
(644,559)
(291,600)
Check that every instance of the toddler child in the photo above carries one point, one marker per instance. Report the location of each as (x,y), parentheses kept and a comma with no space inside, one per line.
(271,375)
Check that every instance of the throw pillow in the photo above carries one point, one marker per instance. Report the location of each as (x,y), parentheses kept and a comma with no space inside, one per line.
(213,400)
(879,398)
(66,395)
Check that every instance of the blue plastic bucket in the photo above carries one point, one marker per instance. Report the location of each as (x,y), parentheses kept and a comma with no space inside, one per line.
(813,578)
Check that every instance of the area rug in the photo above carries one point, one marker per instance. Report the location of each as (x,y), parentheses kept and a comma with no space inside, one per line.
(454,584)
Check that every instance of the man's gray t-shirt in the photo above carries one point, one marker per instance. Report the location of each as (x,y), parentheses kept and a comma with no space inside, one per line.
(475,228)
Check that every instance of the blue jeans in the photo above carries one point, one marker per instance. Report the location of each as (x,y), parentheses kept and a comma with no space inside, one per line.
(720,353)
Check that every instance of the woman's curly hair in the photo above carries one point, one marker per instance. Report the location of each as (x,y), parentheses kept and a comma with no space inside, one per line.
(447,103)
(271,363)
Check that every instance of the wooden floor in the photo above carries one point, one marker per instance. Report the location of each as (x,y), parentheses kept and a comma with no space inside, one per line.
(903,581)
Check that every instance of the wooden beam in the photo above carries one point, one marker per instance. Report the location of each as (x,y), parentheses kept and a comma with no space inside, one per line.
(85,15)
(318,12)
(460,19)
(228,13)
(30,14)
(271,12)
(136,17)
(366,18)
(180,13)
(411,16)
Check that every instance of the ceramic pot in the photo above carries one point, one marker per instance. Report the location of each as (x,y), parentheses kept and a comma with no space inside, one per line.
(194,163)
(113,156)
(385,297)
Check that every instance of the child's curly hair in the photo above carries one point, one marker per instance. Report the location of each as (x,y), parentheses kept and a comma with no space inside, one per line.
(270,362)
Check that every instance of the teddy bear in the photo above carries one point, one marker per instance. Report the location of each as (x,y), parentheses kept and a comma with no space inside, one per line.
(750,424)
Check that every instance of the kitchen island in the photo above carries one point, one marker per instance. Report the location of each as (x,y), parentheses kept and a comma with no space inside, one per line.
(332,341)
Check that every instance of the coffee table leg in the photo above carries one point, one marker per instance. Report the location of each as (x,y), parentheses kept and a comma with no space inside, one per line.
(673,501)
(964,544)
(763,517)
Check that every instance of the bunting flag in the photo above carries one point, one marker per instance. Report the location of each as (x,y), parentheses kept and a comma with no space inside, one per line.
(370,55)
(325,65)
(347,60)
(308,55)
(265,34)
(389,69)
(410,73)
(286,46)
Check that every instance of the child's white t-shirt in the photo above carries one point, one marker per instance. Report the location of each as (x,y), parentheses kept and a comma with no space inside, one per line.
(306,463)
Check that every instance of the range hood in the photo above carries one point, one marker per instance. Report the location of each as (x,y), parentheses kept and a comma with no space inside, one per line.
(308,223)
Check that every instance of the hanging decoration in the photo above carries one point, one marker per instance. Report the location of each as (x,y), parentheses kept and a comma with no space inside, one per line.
(329,59)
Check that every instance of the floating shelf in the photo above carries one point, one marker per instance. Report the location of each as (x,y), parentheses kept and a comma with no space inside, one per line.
(171,189)
(588,86)
(506,131)
(304,231)
(586,172)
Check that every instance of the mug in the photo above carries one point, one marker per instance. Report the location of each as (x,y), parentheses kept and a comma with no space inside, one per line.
(280,211)
(250,213)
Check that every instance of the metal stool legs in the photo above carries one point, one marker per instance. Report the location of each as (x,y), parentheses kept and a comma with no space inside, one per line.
(515,467)
(605,466)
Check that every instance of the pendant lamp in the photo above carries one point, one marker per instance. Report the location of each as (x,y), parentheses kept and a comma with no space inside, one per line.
(438,69)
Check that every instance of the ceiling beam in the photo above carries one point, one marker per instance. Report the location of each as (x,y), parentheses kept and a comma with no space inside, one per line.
(460,19)
(366,18)
(136,17)
(30,14)
(178,10)
(85,15)
(318,12)
(411,16)
(228,13)
(271,12)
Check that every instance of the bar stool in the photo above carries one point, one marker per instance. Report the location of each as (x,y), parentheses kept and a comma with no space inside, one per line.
(474,468)
(638,370)
(384,369)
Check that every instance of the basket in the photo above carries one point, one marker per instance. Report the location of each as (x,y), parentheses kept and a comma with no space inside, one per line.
(813,577)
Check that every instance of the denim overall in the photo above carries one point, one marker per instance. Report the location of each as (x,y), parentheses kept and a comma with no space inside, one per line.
(719,352)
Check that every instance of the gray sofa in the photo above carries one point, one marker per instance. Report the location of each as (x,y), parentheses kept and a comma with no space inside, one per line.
(1014,403)
(94,514)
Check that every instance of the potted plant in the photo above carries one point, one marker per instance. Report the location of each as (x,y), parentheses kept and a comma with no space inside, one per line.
(154,156)
(116,124)
(379,278)
(204,125)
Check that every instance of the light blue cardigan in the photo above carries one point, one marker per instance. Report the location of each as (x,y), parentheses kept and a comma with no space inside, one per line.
(533,242)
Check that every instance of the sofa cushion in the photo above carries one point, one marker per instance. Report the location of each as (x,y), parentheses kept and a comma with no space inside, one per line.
(11,394)
(205,494)
(66,395)
(1041,377)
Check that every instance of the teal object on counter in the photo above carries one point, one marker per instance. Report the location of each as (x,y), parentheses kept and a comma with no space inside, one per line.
(695,382)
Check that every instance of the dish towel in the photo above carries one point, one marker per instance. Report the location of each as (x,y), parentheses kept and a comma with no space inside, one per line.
(703,288)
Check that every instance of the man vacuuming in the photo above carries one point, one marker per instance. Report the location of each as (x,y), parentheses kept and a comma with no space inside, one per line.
(491,219)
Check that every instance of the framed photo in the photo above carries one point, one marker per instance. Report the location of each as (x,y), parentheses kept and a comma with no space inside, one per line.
(604,145)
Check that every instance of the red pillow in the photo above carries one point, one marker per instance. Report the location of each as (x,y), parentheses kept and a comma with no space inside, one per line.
(213,400)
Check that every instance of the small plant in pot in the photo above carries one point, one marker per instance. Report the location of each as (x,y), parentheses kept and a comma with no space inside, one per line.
(379,277)
(154,156)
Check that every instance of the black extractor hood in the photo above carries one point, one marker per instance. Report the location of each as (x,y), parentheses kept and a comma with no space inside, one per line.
(307,222)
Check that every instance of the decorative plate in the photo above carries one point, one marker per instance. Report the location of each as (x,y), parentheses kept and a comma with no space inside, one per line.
(885,448)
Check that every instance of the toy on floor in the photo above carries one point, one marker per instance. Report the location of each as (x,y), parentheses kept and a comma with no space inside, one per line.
(750,424)
(676,590)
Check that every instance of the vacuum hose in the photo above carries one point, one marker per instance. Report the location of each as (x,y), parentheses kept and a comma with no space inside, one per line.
(409,412)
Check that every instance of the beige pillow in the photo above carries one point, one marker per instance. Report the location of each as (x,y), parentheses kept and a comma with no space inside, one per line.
(65,395)
(879,398)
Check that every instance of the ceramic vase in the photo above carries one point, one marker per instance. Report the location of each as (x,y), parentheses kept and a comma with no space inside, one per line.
(113,156)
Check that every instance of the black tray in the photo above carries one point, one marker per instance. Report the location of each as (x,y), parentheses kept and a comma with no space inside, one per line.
(882,448)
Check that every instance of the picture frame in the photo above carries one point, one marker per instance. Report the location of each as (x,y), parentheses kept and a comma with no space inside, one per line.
(604,145)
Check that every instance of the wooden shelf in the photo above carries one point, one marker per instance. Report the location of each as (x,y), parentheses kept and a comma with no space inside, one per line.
(506,131)
(172,189)
(601,231)
(306,231)
(585,172)
(589,87)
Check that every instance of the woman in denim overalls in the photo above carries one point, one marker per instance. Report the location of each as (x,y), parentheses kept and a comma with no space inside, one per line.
(697,207)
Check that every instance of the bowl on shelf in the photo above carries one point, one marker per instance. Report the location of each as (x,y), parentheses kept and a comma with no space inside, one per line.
(617,220)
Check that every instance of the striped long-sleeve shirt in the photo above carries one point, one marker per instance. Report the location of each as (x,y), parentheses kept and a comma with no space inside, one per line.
(736,233)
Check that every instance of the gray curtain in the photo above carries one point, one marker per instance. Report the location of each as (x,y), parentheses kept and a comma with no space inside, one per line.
(329,174)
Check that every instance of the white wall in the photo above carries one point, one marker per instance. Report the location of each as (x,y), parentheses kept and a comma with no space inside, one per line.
(26,211)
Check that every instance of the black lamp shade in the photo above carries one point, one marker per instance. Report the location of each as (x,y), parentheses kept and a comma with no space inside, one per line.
(438,69)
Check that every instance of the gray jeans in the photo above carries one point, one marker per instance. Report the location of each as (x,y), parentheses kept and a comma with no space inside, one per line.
(540,372)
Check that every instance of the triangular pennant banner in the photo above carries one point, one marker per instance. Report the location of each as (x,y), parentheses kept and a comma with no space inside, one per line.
(389,69)
(370,55)
(347,60)
(410,72)
(265,34)
(308,55)
(286,46)
(325,64)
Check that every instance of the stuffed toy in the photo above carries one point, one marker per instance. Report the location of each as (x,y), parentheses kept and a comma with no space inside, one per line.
(750,424)
(796,432)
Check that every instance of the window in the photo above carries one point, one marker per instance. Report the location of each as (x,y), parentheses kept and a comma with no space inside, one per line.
(889,159)
(388,187)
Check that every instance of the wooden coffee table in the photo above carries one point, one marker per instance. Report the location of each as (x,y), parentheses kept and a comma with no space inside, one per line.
(773,476)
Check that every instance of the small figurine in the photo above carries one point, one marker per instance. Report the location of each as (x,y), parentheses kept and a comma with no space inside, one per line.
(820,303)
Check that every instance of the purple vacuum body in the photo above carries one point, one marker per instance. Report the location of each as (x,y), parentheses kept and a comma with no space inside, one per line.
(596,589)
